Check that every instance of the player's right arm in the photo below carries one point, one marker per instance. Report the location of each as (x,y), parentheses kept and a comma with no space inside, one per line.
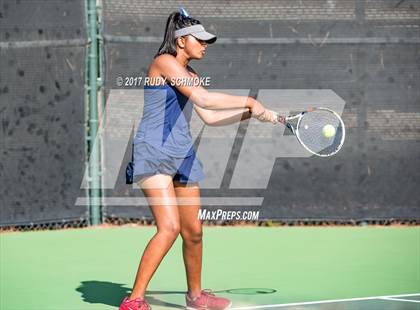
(171,69)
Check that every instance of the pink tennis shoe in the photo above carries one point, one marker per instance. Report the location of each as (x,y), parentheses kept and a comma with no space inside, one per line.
(134,304)
(207,301)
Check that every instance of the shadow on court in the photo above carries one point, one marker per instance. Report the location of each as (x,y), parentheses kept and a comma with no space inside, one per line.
(109,293)
(355,263)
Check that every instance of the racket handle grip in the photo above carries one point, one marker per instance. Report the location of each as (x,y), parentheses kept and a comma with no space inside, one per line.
(281,119)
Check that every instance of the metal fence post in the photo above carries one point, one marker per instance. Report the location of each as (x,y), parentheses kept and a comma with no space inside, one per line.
(93,146)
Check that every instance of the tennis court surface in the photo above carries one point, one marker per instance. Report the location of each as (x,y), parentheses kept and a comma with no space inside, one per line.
(256,267)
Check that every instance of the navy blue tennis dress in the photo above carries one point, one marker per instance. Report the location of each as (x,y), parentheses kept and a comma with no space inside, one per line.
(163,143)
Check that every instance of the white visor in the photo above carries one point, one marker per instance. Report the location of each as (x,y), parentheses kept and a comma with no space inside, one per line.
(197,31)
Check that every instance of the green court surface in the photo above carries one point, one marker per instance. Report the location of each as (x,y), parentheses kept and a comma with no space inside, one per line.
(257,268)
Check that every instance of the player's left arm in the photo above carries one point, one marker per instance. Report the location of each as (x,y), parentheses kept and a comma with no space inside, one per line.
(220,117)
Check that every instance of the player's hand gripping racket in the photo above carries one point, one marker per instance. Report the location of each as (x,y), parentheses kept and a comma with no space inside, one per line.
(320,130)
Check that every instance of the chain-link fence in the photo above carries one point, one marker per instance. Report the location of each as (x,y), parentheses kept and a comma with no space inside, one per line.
(366,51)
(42,106)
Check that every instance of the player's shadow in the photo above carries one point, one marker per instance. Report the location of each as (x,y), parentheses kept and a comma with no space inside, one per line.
(108,293)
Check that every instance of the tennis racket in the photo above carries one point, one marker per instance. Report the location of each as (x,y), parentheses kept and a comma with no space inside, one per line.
(321,131)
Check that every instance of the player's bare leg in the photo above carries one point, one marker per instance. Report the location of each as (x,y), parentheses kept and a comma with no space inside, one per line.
(160,193)
(191,231)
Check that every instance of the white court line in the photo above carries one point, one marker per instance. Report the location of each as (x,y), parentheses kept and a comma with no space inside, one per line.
(399,299)
(322,302)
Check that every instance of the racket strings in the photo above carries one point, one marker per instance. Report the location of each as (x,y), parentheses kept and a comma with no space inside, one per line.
(310,132)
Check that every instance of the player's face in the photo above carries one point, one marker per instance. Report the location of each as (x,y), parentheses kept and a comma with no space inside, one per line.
(194,47)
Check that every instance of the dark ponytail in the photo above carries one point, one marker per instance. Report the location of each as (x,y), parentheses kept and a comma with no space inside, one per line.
(175,21)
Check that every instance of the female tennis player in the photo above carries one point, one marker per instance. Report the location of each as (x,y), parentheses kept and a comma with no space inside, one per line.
(165,164)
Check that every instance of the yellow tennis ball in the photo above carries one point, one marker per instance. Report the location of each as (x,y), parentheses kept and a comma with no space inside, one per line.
(328,131)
